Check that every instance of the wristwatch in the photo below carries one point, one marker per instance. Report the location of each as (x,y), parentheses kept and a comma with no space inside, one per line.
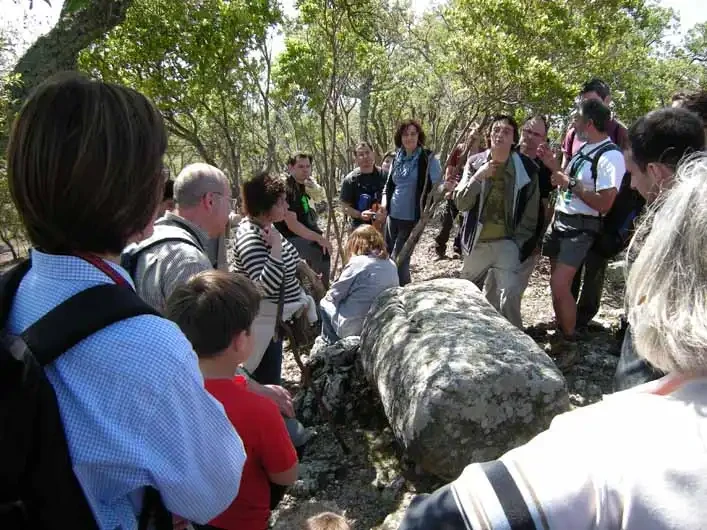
(573,183)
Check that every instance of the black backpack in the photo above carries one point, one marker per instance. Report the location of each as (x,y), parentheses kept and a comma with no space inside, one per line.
(618,223)
(38,488)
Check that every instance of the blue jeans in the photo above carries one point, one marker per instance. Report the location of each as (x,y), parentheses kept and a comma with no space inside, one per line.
(328,333)
(269,371)
(396,234)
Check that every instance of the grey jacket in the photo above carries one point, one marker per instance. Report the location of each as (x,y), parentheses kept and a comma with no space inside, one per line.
(350,297)
(522,202)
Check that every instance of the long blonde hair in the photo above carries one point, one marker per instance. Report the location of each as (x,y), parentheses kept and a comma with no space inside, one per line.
(666,293)
(365,240)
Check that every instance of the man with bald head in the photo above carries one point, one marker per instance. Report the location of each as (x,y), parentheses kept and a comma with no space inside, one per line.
(178,249)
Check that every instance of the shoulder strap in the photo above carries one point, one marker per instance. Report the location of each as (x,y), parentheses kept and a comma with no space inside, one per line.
(605,148)
(81,316)
(9,283)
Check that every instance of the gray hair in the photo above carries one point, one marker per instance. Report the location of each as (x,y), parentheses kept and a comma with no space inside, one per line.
(195,180)
(666,293)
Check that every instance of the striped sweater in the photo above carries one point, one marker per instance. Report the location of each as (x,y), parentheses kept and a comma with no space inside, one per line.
(253,259)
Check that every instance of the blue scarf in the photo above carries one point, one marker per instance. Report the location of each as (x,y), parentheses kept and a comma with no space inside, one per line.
(404,163)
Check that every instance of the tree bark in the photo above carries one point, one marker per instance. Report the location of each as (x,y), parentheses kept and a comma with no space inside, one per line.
(58,50)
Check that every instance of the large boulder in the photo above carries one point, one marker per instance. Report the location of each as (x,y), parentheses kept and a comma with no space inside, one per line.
(458,383)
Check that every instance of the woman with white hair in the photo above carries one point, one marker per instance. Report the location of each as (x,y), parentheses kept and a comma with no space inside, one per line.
(637,460)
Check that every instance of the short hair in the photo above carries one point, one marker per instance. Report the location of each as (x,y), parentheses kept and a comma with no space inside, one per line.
(398,137)
(665,136)
(596,85)
(195,181)
(212,307)
(363,143)
(542,118)
(596,111)
(260,193)
(503,117)
(168,194)
(666,292)
(696,103)
(84,165)
(293,159)
(366,240)
(326,521)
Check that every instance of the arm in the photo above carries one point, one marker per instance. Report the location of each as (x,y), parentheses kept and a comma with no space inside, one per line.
(610,170)
(264,267)
(189,260)
(601,201)
(278,455)
(347,199)
(529,218)
(468,189)
(302,231)
(197,476)
(341,287)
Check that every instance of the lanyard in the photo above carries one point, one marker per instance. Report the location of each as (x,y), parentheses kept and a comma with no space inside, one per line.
(104,268)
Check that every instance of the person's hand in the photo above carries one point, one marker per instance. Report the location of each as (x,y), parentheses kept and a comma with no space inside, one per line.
(449,185)
(547,157)
(324,243)
(281,397)
(487,170)
(179,523)
(272,238)
(560,179)
(367,215)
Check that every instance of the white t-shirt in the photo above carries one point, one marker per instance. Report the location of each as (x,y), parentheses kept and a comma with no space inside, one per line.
(636,461)
(610,172)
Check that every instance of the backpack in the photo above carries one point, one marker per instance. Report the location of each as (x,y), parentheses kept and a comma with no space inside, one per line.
(38,488)
(131,254)
(617,224)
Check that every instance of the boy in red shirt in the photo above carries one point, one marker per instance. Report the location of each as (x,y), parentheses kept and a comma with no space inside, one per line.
(215,310)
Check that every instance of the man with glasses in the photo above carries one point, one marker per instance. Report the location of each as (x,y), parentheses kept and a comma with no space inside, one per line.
(499,193)
(588,187)
(362,189)
(179,246)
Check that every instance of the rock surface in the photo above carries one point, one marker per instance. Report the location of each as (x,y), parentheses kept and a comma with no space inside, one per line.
(458,383)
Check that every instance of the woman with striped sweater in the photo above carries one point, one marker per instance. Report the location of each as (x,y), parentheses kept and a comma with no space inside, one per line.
(270,260)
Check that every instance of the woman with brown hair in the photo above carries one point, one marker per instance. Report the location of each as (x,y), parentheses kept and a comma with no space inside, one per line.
(85,173)
(414,174)
(367,274)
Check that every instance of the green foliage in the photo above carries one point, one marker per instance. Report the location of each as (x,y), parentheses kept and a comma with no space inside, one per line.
(196,60)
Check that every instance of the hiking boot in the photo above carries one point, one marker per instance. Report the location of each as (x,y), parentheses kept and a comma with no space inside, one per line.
(564,353)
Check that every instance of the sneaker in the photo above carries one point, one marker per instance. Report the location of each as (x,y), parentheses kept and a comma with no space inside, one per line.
(440,255)
(457,253)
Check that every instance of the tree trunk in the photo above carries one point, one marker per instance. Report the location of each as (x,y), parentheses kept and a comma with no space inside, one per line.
(365,108)
(58,50)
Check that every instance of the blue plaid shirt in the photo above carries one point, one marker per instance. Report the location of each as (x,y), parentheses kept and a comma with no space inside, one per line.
(134,407)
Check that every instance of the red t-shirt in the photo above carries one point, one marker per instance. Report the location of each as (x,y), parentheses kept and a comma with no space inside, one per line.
(267,444)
